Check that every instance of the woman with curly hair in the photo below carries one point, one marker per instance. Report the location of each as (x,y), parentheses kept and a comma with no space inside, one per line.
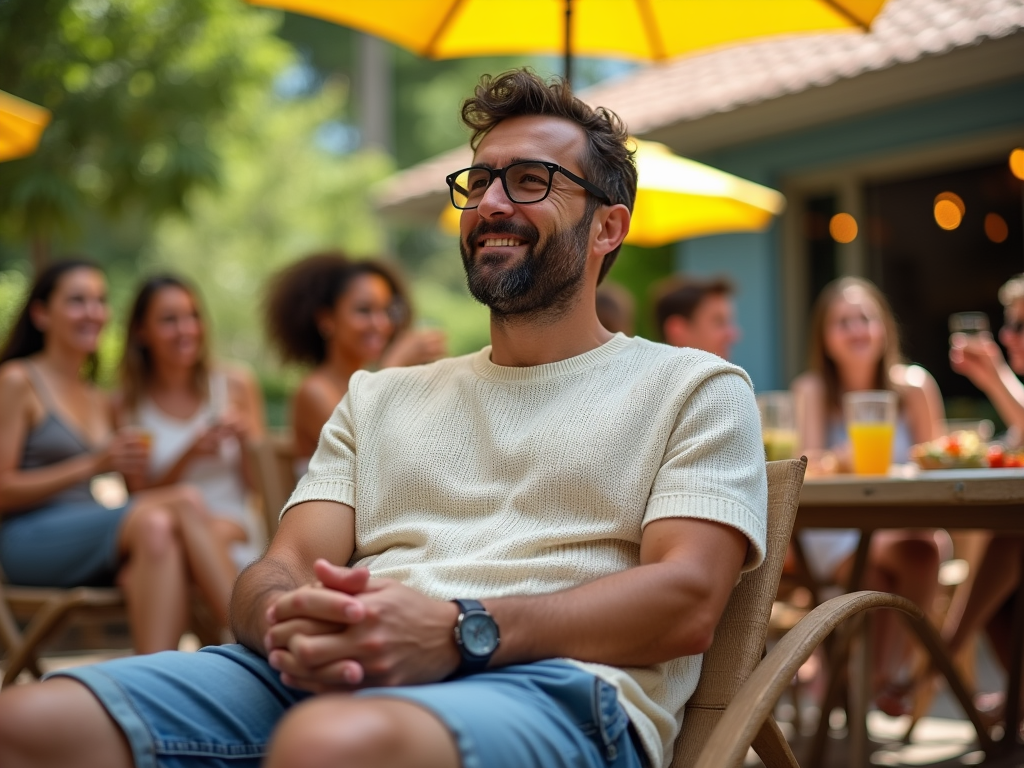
(339,316)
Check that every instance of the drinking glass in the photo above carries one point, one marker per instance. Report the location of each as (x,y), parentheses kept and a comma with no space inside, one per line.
(778,428)
(969,323)
(871,425)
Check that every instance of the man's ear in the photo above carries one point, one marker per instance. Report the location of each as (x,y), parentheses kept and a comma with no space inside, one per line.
(676,331)
(614,225)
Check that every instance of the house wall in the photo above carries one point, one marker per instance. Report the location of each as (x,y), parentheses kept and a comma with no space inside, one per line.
(755,262)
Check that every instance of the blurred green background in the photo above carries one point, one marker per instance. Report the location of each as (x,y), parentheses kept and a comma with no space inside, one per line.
(220,141)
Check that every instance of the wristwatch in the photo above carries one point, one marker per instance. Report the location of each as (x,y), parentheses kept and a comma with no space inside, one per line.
(476,635)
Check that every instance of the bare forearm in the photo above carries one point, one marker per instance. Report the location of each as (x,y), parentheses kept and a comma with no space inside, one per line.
(23,488)
(255,589)
(1008,398)
(638,617)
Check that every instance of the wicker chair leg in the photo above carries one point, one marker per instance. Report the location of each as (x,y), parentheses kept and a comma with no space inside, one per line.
(771,746)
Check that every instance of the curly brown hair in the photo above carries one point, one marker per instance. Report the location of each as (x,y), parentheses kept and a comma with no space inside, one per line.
(607,162)
(297,294)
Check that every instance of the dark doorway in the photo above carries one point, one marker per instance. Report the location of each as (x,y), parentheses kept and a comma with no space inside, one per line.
(928,273)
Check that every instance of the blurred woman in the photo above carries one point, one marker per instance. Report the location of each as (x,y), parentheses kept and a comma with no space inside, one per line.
(340,316)
(56,434)
(195,414)
(854,346)
(989,603)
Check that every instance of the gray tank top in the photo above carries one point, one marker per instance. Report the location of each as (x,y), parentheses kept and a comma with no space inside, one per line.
(52,441)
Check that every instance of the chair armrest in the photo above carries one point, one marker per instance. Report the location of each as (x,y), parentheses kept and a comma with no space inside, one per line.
(756,699)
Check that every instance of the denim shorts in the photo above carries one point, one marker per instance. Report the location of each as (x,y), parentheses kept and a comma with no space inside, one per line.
(68,544)
(217,708)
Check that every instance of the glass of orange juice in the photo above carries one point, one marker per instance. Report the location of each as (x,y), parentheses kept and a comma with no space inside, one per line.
(871,425)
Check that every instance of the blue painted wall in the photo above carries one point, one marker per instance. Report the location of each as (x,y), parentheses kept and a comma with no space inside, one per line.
(752,260)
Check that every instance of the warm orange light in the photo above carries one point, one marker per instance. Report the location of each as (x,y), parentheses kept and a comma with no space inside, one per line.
(843,228)
(949,210)
(995,228)
(955,199)
(1017,163)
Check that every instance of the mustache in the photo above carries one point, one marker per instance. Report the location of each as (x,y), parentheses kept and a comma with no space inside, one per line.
(516,228)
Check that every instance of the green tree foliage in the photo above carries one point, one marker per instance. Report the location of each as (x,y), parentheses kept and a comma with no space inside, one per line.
(281,196)
(134,86)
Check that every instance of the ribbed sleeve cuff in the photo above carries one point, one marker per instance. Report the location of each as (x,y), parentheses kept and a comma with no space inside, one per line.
(718,510)
(340,491)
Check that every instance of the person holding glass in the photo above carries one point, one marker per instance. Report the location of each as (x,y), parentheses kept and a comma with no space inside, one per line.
(989,604)
(56,434)
(854,347)
(195,413)
(340,316)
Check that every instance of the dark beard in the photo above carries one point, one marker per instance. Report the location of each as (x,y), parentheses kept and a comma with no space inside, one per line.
(544,284)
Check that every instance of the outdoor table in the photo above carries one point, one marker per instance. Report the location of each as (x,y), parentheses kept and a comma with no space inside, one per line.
(991,499)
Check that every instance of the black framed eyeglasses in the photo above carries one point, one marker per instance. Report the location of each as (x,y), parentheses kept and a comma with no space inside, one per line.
(525,181)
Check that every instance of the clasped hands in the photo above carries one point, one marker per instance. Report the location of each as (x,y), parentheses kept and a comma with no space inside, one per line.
(348,631)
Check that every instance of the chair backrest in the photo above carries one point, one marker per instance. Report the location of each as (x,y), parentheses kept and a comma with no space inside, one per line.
(739,639)
(272,462)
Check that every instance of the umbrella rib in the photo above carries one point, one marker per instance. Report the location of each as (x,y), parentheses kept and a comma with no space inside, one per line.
(847,14)
(651,29)
(442,28)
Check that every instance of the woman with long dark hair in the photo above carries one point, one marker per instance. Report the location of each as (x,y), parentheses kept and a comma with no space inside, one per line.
(56,434)
(854,346)
(196,414)
(340,316)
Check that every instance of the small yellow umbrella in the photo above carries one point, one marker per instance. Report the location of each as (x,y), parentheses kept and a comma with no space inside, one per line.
(21,125)
(628,29)
(679,198)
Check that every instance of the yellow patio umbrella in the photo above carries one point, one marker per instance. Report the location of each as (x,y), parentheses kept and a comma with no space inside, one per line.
(21,125)
(626,29)
(679,198)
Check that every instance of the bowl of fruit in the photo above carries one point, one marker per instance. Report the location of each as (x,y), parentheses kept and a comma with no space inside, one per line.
(964,449)
(957,450)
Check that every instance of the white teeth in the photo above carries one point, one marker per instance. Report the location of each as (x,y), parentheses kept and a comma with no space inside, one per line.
(499,241)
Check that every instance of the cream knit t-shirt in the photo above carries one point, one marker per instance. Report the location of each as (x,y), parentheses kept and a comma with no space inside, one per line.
(473,480)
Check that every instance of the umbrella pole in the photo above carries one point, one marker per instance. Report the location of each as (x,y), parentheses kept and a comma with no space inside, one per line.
(568,41)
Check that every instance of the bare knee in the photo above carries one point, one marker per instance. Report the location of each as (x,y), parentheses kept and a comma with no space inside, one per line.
(155,533)
(189,504)
(332,731)
(57,722)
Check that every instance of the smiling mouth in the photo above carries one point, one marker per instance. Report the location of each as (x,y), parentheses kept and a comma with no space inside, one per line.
(499,242)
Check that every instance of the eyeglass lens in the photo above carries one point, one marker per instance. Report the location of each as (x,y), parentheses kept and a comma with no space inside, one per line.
(524,183)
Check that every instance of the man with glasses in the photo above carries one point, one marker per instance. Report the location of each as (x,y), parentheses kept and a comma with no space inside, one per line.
(551,526)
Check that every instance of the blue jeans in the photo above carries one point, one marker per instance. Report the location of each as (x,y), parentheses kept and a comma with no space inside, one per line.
(218,708)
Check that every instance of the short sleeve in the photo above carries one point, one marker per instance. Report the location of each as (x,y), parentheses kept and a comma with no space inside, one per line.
(331,475)
(714,466)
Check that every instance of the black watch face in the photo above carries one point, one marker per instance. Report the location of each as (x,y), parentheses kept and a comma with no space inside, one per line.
(479,634)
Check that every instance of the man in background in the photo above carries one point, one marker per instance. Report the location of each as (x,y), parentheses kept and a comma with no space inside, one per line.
(698,314)
(615,308)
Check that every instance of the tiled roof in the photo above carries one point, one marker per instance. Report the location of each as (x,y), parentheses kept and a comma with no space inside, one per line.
(695,87)
(722,80)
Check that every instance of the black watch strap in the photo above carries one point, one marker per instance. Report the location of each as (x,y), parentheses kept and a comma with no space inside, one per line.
(471,663)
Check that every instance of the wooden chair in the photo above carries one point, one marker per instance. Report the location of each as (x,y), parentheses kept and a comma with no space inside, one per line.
(45,611)
(731,709)
(272,463)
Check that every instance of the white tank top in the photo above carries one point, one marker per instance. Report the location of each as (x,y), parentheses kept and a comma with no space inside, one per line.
(219,477)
